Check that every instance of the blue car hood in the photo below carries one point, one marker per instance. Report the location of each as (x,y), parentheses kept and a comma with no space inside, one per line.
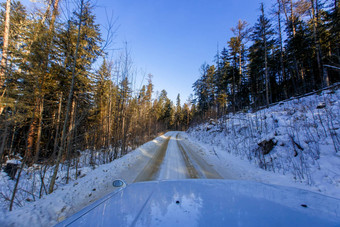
(209,203)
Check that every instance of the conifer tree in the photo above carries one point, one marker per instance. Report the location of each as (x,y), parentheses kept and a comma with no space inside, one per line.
(102,88)
(238,54)
(12,95)
(83,53)
(178,113)
(222,81)
(263,42)
(202,88)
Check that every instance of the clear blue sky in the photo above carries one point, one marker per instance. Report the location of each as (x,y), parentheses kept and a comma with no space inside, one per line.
(171,39)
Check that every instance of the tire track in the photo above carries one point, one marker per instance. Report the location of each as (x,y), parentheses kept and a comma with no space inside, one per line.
(202,169)
(164,165)
(152,168)
(190,168)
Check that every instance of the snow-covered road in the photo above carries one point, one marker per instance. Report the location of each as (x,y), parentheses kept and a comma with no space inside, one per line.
(176,159)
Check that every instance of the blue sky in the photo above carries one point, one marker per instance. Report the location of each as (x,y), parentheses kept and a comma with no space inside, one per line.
(171,39)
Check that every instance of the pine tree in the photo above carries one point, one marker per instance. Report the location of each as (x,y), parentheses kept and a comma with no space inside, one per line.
(83,53)
(178,113)
(241,33)
(316,24)
(12,94)
(262,37)
(235,48)
(204,88)
(299,50)
(102,88)
(223,81)
(283,75)
(238,50)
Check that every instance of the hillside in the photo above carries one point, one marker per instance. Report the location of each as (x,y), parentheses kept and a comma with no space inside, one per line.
(296,142)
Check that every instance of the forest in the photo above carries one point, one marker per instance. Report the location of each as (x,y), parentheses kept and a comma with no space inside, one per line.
(293,49)
(60,93)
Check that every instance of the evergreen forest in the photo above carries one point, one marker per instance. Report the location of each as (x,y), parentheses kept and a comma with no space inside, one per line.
(60,93)
(292,49)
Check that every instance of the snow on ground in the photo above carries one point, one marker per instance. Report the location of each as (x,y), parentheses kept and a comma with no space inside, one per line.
(70,198)
(294,143)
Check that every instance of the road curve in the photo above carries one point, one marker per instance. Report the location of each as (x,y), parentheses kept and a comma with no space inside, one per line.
(176,159)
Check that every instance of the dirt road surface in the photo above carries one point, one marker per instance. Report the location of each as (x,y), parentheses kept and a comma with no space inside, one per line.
(176,159)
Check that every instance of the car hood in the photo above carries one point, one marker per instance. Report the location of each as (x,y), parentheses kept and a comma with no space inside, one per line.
(209,203)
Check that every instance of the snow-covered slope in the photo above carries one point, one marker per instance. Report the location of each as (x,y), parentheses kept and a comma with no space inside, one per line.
(70,198)
(294,143)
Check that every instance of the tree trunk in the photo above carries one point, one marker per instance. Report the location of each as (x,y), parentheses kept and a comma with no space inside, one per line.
(69,101)
(12,139)
(31,134)
(54,15)
(70,138)
(315,14)
(3,140)
(16,186)
(291,20)
(264,37)
(325,77)
(122,152)
(56,138)
(283,73)
(3,63)
(5,44)
(233,93)
(102,127)
(42,178)
(266,73)
(296,61)
(37,148)
(240,62)
(71,127)
(109,119)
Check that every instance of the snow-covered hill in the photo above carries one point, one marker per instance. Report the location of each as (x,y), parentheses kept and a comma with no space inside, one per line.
(294,143)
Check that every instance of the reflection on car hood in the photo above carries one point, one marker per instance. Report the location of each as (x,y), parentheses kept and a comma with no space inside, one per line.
(209,203)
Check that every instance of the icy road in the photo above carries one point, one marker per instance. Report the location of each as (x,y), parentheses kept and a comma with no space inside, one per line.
(176,159)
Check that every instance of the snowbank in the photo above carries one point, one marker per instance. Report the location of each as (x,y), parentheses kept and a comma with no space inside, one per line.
(294,143)
(70,198)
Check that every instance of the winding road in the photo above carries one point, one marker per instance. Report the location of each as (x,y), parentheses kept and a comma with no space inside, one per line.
(176,159)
